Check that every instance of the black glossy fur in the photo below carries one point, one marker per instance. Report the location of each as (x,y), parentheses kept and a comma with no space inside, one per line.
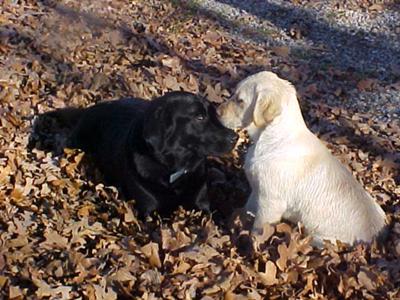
(139,144)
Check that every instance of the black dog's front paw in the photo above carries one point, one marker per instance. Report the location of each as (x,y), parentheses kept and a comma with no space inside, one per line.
(204,206)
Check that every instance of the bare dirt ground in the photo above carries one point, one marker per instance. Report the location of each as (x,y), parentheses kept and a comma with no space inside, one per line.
(65,235)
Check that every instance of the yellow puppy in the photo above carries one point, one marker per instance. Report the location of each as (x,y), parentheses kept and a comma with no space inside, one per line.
(291,172)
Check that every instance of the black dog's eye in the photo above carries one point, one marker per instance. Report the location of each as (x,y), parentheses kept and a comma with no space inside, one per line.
(200,117)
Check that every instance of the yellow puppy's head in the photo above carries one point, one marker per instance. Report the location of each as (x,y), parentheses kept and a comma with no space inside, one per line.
(258,99)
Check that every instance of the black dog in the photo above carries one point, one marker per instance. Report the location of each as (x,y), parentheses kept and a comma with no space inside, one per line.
(154,151)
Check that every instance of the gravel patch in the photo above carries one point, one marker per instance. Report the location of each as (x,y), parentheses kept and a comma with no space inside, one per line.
(383,106)
(365,41)
(324,34)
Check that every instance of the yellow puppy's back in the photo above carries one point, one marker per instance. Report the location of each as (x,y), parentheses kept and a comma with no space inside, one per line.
(333,204)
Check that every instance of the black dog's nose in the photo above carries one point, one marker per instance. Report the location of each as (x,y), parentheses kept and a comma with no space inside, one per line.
(234,137)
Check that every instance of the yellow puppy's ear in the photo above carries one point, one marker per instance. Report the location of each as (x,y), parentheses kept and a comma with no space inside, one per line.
(267,107)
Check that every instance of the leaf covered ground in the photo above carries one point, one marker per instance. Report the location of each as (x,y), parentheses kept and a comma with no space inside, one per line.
(65,235)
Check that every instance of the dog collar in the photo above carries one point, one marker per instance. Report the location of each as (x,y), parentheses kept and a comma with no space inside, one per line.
(175,176)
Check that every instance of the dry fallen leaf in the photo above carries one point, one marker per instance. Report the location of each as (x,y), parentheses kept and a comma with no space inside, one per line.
(281,51)
(366,84)
(376,7)
(66,234)
(15,293)
(366,281)
(269,276)
(151,251)
(283,257)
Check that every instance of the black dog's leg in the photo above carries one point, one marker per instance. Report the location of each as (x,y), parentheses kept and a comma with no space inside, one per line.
(201,201)
(148,199)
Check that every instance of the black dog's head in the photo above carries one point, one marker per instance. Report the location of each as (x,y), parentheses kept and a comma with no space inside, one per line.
(180,126)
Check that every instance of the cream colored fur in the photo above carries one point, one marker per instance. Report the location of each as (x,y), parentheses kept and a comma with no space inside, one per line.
(291,172)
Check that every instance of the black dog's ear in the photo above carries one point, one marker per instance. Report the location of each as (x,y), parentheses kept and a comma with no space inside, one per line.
(152,131)
(157,127)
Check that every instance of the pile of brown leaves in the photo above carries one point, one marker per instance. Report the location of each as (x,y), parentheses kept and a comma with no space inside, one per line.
(64,235)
